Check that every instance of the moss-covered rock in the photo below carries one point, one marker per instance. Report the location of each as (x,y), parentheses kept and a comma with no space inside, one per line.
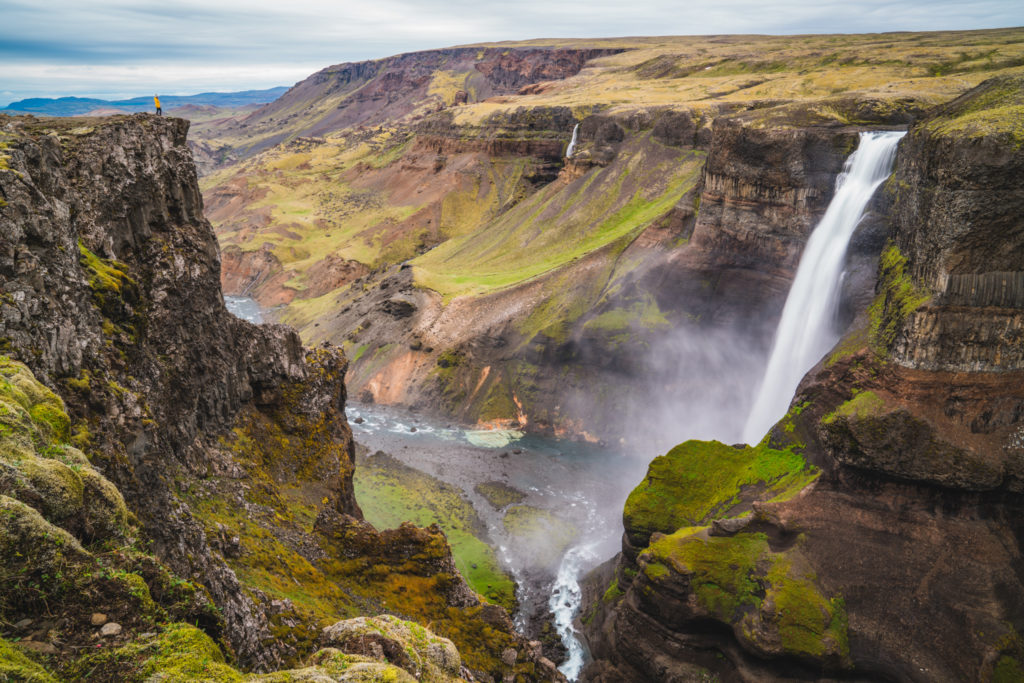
(771,600)
(39,466)
(17,667)
(698,481)
(405,644)
(40,560)
(329,665)
(995,109)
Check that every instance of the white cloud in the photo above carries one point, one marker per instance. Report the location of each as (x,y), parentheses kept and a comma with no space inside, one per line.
(71,47)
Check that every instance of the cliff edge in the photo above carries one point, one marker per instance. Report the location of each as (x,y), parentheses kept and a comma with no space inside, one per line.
(221,448)
(874,534)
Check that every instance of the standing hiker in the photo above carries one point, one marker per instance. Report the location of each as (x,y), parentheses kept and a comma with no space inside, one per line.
(156,101)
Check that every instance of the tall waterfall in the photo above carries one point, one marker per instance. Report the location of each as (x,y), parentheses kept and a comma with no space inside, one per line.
(572,143)
(807,328)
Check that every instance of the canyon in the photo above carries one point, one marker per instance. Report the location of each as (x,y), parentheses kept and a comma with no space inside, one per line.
(192,478)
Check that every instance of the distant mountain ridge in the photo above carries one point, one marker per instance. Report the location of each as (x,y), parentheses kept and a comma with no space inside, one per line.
(76,106)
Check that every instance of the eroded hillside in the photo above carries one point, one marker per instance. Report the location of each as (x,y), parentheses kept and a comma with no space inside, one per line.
(420,210)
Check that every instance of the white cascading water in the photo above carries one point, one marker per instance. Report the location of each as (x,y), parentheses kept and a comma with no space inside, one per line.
(572,143)
(565,604)
(806,330)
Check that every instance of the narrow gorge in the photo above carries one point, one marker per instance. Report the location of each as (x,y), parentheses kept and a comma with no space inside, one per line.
(641,359)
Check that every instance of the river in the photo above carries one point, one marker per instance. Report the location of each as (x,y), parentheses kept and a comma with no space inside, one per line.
(582,484)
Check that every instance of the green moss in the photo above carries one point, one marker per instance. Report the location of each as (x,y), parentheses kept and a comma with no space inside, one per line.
(700,480)
(105,515)
(731,576)
(1007,670)
(359,352)
(723,568)
(613,593)
(104,275)
(562,223)
(391,493)
(41,562)
(995,109)
(17,667)
(82,382)
(56,486)
(863,404)
(738,578)
(499,494)
(185,653)
(655,570)
(52,420)
(179,653)
(620,325)
(498,403)
(809,624)
(897,298)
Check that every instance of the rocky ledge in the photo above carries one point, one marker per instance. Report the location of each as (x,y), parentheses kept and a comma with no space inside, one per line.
(874,533)
(166,462)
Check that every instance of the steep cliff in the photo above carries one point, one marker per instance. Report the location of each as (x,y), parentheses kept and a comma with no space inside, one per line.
(227,441)
(548,292)
(663,229)
(874,533)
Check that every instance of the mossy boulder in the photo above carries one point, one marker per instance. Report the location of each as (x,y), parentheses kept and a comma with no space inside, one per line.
(104,513)
(39,467)
(30,545)
(17,667)
(403,643)
(330,665)
(698,481)
(180,652)
(771,600)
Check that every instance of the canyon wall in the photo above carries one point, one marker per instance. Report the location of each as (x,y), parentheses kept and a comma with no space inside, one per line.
(717,208)
(874,533)
(420,212)
(227,441)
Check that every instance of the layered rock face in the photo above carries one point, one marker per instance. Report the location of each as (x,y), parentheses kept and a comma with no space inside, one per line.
(874,534)
(381,91)
(721,204)
(110,273)
(228,441)
(958,222)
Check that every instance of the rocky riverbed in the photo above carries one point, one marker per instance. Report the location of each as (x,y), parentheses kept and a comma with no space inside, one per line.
(551,508)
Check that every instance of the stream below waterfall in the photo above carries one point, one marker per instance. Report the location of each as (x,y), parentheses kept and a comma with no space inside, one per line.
(583,484)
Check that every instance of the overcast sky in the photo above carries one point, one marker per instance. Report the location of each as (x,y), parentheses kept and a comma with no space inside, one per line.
(118,48)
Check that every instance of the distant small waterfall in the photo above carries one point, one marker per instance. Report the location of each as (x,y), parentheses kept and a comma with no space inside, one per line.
(572,143)
(806,330)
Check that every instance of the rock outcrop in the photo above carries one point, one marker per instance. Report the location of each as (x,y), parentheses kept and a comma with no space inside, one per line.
(874,533)
(225,439)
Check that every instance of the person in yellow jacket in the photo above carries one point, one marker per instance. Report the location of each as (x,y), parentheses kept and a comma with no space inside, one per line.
(156,101)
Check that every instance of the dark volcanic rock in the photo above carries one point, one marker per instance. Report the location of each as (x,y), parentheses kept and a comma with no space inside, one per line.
(110,278)
(217,432)
(959,202)
(901,559)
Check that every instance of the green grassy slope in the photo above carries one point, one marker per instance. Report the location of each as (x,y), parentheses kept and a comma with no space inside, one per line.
(561,223)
